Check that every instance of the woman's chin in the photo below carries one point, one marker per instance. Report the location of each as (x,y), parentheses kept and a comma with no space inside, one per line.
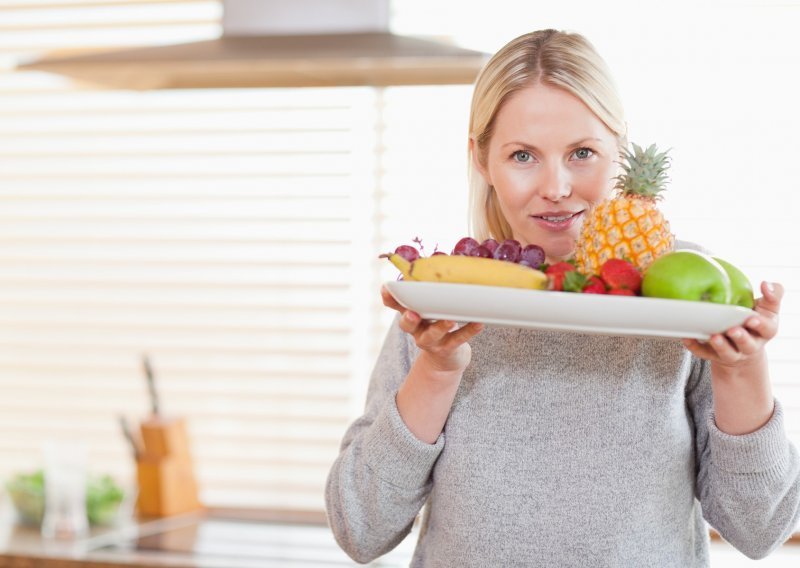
(559,253)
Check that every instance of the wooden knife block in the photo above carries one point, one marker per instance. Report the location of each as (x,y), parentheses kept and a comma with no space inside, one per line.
(165,472)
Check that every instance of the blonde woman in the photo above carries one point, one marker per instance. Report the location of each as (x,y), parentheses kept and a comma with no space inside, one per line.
(544,448)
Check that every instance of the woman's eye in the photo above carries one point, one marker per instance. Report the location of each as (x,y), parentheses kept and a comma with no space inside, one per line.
(522,156)
(584,153)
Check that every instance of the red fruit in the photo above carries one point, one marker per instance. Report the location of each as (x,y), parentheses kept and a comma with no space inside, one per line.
(509,250)
(594,286)
(490,244)
(621,275)
(481,251)
(621,292)
(465,246)
(408,252)
(556,273)
(560,268)
(533,255)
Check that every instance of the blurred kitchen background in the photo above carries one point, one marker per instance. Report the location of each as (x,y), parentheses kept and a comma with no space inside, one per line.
(230,228)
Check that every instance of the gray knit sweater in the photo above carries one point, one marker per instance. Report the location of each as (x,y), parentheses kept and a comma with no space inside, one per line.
(562,449)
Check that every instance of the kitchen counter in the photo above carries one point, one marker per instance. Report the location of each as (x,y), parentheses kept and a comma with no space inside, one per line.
(237,539)
(23,547)
(217,538)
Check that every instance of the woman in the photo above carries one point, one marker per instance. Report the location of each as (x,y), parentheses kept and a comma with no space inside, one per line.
(544,448)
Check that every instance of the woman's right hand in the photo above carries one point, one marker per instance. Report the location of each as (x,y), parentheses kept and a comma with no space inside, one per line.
(425,397)
(444,346)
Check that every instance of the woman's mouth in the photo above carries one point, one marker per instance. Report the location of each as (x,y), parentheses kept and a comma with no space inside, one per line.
(558,220)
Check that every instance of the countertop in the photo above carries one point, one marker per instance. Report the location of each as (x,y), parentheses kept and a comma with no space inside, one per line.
(234,539)
(218,538)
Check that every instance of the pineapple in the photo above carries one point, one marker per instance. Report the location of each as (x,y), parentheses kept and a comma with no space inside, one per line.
(628,226)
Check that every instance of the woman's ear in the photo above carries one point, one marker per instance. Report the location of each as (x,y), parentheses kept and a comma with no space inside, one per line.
(476,162)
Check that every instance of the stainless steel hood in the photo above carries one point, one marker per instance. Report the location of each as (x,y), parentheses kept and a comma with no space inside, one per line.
(282,43)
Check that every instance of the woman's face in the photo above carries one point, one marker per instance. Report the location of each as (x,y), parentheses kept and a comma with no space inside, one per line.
(549,159)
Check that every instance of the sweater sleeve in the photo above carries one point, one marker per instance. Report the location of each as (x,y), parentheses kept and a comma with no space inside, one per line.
(749,485)
(381,478)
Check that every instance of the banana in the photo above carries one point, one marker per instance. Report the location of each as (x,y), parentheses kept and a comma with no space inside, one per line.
(401,263)
(472,270)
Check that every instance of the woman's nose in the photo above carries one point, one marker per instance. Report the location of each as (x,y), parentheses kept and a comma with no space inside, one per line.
(555,184)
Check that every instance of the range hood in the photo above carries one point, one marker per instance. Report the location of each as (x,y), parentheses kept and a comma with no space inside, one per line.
(282,43)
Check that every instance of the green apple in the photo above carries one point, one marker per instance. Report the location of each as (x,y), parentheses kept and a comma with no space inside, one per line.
(741,289)
(687,275)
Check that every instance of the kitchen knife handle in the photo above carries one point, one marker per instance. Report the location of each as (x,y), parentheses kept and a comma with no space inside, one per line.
(151,385)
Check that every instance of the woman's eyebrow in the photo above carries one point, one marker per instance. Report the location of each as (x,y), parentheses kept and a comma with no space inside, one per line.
(531,146)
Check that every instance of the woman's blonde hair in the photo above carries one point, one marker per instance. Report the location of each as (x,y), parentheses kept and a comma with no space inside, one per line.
(556,58)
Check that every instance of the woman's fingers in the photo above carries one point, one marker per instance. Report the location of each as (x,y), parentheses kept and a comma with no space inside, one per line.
(463,335)
(410,322)
(702,350)
(447,336)
(427,334)
(432,336)
(742,341)
(760,326)
(442,335)
(765,324)
(770,302)
(717,348)
(723,348)
(730,348)
(389,301)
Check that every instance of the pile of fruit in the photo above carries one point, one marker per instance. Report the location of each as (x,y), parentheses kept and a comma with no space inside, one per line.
(515,266)
(680,274)
(488,263)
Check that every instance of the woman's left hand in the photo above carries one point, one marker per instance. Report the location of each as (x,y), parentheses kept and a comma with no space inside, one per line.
(744,344)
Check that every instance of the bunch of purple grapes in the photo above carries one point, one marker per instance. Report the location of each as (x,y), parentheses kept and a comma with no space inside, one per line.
(509,250)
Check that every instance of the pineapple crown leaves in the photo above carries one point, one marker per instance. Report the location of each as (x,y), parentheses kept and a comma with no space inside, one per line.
(644,171)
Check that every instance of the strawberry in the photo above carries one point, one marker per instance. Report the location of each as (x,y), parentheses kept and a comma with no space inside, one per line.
(621,275)
(594,286)
(621,292)
(556,272)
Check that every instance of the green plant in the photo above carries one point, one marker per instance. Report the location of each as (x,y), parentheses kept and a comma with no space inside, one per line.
(27,492)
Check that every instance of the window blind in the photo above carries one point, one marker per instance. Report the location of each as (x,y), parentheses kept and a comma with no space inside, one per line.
(224,233)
